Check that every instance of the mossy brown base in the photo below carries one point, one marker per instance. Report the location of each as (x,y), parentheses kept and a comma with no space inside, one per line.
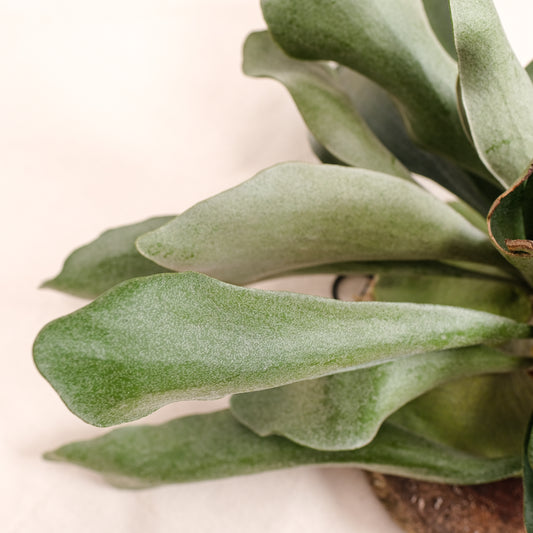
(422,507)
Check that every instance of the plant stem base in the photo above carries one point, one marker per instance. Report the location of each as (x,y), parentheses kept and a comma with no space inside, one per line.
(424,507)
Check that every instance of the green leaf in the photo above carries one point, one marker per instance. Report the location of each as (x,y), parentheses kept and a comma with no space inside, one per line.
(151,341)
(528,478)
(493,296)
(384,119)
(496,91)
(345,411)
(215,445)
(298,215)
(323,104)
(392,44)
(106,261)
(484,415)
(511,225)
(440,18)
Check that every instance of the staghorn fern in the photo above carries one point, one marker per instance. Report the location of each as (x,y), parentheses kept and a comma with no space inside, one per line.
(430,379)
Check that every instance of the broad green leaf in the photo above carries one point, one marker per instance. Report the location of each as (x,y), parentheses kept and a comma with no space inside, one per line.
(215,445)
(511,225)
(528,479)
(154,340)
(493,296)
(384,119)
(298,215)
(345,411)
(390,42)
(496,91)
(106,261)
(440,18)
(483,415)
(323,104)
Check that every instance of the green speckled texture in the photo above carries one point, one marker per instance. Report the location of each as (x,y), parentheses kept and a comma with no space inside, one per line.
(216,445)
(345,411)
(169,337)
(298,215)
(378,110)
(417,385)
(390,42)
(496,91)
(486,415)
(323,104)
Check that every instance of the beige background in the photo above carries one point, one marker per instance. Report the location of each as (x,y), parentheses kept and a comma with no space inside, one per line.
(113,111)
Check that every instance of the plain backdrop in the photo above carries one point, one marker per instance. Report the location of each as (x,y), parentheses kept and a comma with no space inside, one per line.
(110,112)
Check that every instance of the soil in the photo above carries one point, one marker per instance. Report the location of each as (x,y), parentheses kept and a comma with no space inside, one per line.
(423,507)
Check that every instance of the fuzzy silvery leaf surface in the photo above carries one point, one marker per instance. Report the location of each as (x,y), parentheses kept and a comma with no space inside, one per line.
(396,94)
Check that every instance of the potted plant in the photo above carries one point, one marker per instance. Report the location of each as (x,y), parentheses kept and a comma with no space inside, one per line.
(428,380)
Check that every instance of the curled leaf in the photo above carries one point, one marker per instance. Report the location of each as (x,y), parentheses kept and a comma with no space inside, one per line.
(511,225)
